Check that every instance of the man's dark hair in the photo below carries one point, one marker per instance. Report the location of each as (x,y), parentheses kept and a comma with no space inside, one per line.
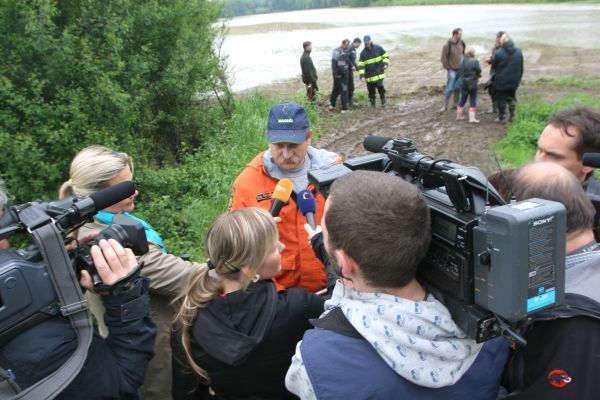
(500,33)
(306,44)
(502,182)
(586,120)
(382,222)
(357,40)
(456,31)
(550,181)
(345,41)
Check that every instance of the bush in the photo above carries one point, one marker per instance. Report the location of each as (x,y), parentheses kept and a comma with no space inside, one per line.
(138,76)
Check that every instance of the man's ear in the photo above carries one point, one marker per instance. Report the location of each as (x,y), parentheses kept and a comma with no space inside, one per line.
(586,170)
(309,136)
(349,266)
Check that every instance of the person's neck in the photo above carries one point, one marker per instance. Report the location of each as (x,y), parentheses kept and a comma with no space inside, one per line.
(411,291)
(580,240)
(232,286)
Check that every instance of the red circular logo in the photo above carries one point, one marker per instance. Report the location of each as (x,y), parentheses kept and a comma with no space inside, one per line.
(558,378)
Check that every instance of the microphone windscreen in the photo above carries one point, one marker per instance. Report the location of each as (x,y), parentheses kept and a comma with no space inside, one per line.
(112,195)
(306,202)
(283,190)
(591,160)
(374,144)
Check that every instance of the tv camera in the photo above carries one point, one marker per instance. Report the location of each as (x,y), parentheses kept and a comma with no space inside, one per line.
(492,264)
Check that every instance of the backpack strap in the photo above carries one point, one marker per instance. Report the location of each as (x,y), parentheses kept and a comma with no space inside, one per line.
(73,305)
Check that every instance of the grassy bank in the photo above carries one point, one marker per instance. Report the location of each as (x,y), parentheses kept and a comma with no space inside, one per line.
(195,192)
(519,144)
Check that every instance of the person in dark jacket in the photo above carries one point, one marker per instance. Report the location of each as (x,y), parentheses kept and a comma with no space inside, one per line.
(353,67)
(341,68)
(562,356)
(234,331)
(115,366)
(372,64)
(508,64)
(489,86)
(309,72)
(471,72)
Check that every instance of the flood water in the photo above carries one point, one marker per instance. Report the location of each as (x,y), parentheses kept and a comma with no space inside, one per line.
(263,49)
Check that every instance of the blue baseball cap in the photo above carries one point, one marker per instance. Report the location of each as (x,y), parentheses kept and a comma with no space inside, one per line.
(288,123)
(367,38)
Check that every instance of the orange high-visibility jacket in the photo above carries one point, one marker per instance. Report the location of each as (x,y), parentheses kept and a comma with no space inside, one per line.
(299,265)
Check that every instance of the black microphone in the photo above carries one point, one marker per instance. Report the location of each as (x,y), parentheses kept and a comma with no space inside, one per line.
(375,144)
(74,210)
(281,195)
(591,160)
(308,207)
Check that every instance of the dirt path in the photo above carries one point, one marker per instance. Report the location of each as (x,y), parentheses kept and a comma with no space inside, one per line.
(414,85)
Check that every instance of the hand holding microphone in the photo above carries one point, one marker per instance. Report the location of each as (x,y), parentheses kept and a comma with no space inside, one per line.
(281,195)
(308,207)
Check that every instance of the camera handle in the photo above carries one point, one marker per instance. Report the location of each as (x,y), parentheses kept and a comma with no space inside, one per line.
(72,303)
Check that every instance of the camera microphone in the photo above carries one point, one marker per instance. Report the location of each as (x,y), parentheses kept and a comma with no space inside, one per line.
(308,206)
(281,195)
(376,144)
(591,160)
(74,210)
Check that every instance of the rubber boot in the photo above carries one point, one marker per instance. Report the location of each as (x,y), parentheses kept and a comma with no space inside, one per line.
(511,112)
(472,114)
(445,106)
(372,102)
(459,113)
(456,98)
(382,97)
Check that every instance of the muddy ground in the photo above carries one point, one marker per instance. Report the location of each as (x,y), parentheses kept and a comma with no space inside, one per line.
(414,83)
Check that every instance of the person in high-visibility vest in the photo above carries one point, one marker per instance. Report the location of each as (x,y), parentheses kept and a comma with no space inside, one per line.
(372,63)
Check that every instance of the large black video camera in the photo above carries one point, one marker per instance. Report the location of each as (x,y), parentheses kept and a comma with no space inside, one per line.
(27,293)
(489,262)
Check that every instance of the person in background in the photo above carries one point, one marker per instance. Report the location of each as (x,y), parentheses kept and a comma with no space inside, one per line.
(490,83)
(471,72)
(452,55)
(373,62)
(234,331)
(309,72)
(354,67)
(3,200)
(98,167)
(289,156)
(508,64)
(341,68)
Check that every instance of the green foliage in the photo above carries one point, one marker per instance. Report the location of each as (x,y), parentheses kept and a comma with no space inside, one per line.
(138,76)
(519,145)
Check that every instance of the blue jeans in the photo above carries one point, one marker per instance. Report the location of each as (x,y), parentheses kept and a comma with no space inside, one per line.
(451,83)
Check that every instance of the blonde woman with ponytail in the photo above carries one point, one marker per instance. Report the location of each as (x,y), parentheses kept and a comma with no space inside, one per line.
(234,332)
(95,168)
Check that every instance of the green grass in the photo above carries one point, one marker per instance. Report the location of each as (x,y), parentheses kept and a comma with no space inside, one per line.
(195,192)
(519,145)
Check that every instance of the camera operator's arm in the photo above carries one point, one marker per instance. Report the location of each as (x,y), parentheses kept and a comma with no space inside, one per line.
(117,364)
(316,241)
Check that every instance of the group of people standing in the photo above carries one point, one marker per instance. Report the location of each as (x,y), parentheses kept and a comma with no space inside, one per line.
(464,72)
(459,60)
(372,63)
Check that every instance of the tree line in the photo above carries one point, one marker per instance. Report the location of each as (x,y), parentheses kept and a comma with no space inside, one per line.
(233,8)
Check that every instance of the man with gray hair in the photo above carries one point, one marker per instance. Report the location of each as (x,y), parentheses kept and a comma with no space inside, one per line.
(562,357)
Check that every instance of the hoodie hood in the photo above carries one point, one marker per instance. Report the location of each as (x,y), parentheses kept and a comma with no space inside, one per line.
(232,326)
(509,46)
(417,339)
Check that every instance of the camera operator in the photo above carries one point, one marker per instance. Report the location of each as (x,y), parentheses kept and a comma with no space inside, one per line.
(379,315)
(562,357)
(115,366)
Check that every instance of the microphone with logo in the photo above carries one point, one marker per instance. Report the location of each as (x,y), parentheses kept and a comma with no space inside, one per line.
(281,195)
(308,207)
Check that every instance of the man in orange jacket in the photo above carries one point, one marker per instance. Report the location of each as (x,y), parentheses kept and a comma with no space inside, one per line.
(290,156)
